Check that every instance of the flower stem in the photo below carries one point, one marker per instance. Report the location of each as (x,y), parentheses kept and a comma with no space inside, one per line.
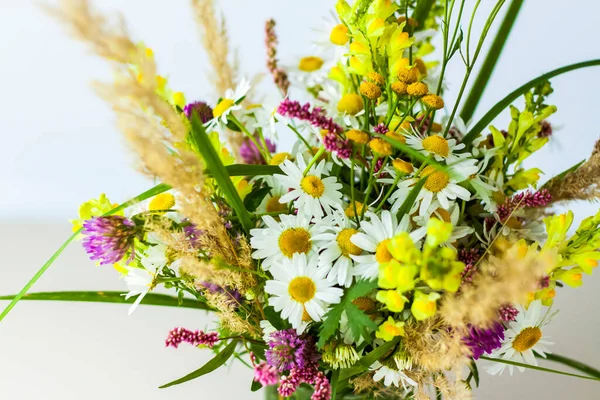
(586,369)
(314,160)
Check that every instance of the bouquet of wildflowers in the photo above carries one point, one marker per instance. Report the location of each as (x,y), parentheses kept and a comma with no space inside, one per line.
(392,251)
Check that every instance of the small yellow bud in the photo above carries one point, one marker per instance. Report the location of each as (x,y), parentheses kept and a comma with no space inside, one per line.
(381,147)
(408,75)
(310,64)
(162,202)
(433,101)
(358,137)
(370,90)
(399,88)
(403,166)
(349,211)
(350,104)
(417,89)
(376,78)
(420,64)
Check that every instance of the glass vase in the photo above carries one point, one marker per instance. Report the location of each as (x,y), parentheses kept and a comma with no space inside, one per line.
(304,393)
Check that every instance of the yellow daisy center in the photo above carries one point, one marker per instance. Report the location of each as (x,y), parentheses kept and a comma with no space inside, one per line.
(163,201)
(346,246)
(437,145)
(302,289)
(279,158)
(339,35)
(436,180)
(526,339)
(273,205)
(312,186)
(349,211)
(294,240)
(382,254)
(310,64)
(223,106)
(350,104)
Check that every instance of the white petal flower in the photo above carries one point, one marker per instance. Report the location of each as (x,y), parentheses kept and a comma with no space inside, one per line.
(523,337)
(300,290)
(391,376)
(139,281)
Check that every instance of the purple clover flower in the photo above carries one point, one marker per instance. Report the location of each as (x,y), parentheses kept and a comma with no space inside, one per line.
(109,238)
(250,153)
(482,340)
(287,351)
(205,112)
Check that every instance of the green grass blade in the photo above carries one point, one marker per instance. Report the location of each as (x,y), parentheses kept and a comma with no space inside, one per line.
(250,170)
(505,102)
(147,194)
(209,367)
(411,198)
(219,173)
(422,12)
(151,299)
(586,369)
(364,363)
(487,68)
(552,371)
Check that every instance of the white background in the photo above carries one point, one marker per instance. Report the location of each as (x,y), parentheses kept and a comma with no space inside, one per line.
(59,147)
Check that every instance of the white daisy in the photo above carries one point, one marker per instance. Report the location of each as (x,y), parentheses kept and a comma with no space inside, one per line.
(279,241)
(139,282)
(436,145)
(310,71)
(374,238)
(231,101)
(391,376)
(312,195)
(332,36)
(337,249)
(270,203)
(523,337)
(439,185)
(155,256)
(451,215)
(300,291)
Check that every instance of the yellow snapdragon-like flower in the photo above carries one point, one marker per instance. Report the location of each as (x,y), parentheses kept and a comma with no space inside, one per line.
(393,300)
(441,271)
(438,232)
(572,277)
(393,275)
(524,179)
(424,305)
(390,329)
(93,208)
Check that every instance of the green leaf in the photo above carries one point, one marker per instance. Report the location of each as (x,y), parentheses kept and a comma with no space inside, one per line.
(552,371)
(219,172)
(474,372)
(358,321)
(151,299)
(255,386)
(207,368)
(250,170)
(487,68)
(514,95)
(334,382)
(421,12)
(255,197)
(364,363)
(565,172)
(275,319)
(411,198)
(331,320)
(573,364)
(141,197)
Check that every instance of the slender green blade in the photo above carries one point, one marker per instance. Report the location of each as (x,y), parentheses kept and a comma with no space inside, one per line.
(573,364)
(209,367)
(151,299)
(514,95)
(422,12)
(250,170)
(364,363)
(411,198)
(219,172)
(487,68)
(146,195)
(552,371)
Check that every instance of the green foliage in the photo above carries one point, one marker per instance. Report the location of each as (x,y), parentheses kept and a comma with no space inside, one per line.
(219,173)
(209,367)
(358,321)
(364,363)
(150,299)
(255,197)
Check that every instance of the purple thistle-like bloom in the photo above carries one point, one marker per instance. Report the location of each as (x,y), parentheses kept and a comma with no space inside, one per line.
(109,238)
(250,153)
(316,116)
(524,199)
(205,112)
(195,338)
(285,350)
(484,340)
(508,313)
(193,234)
(381,129)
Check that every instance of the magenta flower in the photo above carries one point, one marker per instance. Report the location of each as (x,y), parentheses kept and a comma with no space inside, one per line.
(484,340)
(205,112)
(195,338)
(316,116)
(108,239)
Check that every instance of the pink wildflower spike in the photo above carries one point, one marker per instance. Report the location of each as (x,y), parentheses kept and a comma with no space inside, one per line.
(322,388)
(523,199)
(195,338)
(508,313)
(316,116)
